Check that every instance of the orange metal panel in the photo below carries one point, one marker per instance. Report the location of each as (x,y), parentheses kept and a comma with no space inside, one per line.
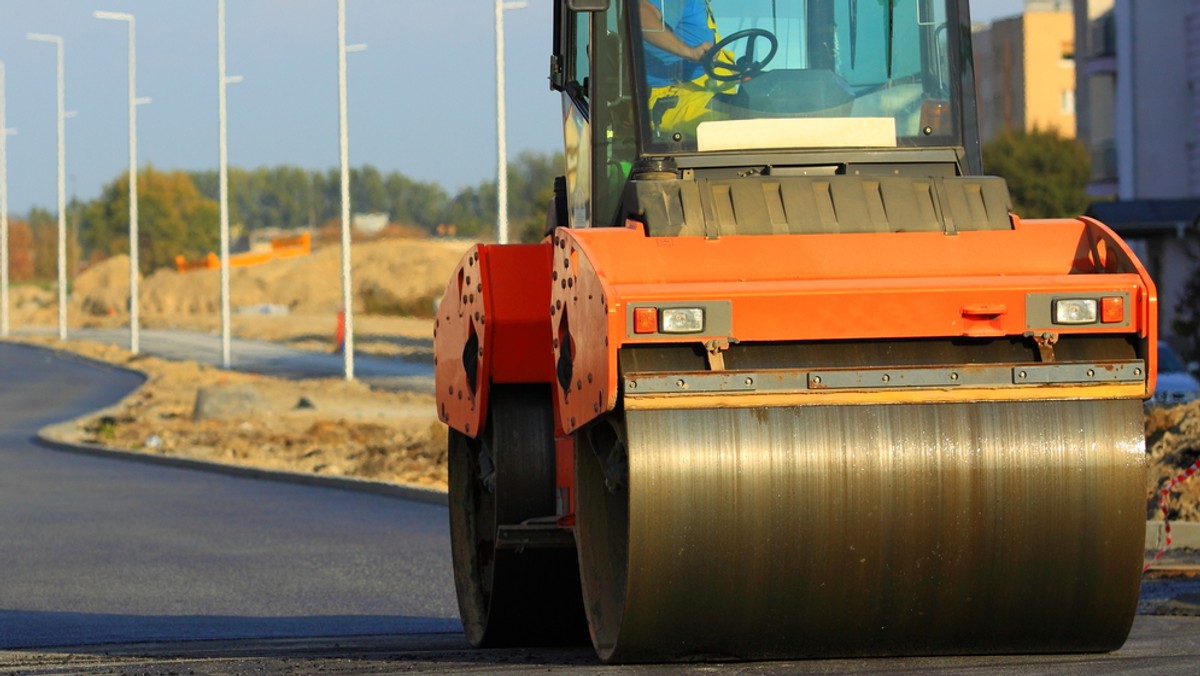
(826,287)
(582,321)
(460,323)
(518,279)
(491,327)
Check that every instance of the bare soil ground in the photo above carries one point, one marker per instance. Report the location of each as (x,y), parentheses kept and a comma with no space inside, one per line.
(1173,446)
(350,429)
(325,426)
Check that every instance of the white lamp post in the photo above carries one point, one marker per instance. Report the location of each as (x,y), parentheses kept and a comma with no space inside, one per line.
(62,186)
(501,131)
(134,322)
(347,296)
(223,152)
(4,132)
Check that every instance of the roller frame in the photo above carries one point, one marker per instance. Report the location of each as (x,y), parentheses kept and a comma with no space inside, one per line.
(844,287)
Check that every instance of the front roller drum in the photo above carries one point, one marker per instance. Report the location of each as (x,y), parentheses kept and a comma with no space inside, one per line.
(821,531)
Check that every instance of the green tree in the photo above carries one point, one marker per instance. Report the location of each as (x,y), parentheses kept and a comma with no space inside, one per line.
(416,203)
(289,197)
(530,189)
(1047,174)
(173,219)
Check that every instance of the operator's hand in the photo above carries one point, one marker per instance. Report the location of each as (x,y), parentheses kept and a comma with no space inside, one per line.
(697,53)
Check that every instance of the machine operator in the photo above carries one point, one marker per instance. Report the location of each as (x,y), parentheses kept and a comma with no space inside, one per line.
(678,34)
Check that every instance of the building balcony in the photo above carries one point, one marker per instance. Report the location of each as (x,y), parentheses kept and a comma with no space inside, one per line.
(1100,65)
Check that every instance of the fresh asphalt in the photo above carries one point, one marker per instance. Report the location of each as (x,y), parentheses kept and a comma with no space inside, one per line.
(97,550)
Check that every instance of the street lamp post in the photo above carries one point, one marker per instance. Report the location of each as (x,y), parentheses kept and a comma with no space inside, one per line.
(62,185)
(3,213)
(223,153)
(134,322)
(501,130)
(344,146)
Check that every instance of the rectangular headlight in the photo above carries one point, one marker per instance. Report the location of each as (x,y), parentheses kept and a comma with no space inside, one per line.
(1075,311)
(681,320)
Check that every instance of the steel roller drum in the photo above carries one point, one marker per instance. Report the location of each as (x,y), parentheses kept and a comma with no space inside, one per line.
(865,530)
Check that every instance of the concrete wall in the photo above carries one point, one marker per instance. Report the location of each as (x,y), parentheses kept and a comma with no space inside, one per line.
(1153,116)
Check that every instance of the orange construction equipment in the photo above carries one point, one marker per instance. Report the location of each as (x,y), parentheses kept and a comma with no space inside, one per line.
(281,248)
(786,378)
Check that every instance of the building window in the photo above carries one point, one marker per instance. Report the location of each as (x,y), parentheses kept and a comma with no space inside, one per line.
(1067,54)
(1067,101)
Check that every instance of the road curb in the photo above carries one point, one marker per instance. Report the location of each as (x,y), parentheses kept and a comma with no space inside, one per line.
(46,437)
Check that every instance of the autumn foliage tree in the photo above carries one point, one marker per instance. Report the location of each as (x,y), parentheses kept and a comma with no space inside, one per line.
(20,251)
(173,219)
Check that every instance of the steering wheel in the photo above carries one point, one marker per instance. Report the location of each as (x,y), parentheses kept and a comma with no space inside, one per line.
(745,67)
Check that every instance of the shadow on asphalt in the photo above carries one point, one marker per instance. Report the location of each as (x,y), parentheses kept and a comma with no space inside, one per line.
(47,630)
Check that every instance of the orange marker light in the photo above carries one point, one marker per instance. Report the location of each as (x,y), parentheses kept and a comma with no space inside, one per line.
(645,320)
(1112,309)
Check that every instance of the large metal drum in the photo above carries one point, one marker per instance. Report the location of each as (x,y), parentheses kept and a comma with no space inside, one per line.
(760,533)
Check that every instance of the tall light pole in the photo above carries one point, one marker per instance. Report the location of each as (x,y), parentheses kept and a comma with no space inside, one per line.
(3,212)
(134,322)
(501,131)
(62,185)
(347,295)
(223,153)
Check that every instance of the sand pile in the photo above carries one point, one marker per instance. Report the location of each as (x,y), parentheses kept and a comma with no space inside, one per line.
(390,277)
(32,306)
(103,290)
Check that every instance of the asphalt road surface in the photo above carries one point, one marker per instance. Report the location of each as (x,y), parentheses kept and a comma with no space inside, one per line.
(96,550)
(112,566)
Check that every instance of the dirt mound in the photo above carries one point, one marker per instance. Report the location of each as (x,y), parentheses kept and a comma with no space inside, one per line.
(103,289)
(390,277)
(1173,445)
(32,306)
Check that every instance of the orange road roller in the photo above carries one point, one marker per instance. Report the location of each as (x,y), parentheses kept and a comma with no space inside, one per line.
(786,378)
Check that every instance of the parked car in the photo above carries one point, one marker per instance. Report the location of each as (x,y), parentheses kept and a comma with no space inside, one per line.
(1175,384)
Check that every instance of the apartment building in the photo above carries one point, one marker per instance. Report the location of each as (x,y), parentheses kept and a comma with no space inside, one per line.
(1025,70)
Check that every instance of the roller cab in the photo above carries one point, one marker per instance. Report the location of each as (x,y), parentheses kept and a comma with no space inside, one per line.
(786,377)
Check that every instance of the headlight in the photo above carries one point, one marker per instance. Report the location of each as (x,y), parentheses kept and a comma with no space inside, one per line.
(1075,311)
(681,320)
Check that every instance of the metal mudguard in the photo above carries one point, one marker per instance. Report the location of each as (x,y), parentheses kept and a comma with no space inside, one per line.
(491,328)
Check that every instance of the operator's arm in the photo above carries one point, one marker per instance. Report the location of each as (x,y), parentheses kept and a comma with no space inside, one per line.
(657,33)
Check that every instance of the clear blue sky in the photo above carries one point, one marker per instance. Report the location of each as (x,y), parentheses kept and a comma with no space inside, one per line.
(421,98)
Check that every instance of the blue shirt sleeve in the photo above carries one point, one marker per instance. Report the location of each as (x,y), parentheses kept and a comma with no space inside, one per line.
(688,19)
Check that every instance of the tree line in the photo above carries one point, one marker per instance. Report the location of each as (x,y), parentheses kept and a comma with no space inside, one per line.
(178,212)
